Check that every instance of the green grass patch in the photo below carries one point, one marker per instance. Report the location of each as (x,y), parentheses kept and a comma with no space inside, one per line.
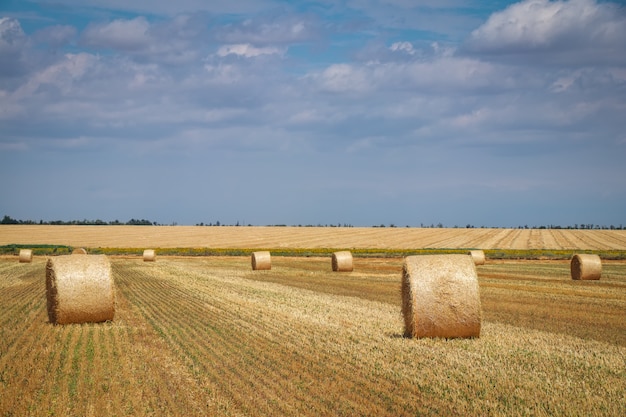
(38,249)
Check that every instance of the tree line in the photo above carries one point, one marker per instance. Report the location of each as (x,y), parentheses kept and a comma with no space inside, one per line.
(132,222)
(143,222)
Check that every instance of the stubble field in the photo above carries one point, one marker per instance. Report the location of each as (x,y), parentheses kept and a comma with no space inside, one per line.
(311,237)
(209,336)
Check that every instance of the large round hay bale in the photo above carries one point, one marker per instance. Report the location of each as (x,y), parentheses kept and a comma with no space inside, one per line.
(440,296)
(342,261)
(26,255)
(261,260)
(149,255)
(478,256)
(79,251)
(586,266)
(79,289)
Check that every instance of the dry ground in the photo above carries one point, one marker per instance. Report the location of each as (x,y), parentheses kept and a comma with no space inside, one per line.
(209,336)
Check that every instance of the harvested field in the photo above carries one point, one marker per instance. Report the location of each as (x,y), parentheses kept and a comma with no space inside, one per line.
(310,237)
(209,336)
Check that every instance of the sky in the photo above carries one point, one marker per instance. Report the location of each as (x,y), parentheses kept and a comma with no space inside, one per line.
(360,112)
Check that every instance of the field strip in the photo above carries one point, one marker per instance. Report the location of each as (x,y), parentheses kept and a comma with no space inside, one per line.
(20,298)
(310,237)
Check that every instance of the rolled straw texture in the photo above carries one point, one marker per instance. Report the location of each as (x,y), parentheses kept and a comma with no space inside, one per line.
(261,261)
(440,296)
(79,289)
(79,251)
(586,266)
(26,255)
(478,256)
(149,255)
(342,261)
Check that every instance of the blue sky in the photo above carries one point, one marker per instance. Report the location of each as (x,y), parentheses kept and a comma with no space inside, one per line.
(366,112)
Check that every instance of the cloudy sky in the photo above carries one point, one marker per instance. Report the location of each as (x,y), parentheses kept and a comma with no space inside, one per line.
(366,112)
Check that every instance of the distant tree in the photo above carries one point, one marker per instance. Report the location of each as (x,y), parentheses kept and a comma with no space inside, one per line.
(9,220)
(137,222)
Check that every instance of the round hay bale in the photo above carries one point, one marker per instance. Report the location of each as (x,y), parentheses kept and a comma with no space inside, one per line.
(79,251)
(79,289)
(261,261)
(149,255)
(26,255)
(478,256)
(342,261)
(440,296)
(586,266)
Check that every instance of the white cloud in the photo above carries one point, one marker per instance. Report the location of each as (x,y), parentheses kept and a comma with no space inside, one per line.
(573,31)
(248,51)
(119,34)
(11,33)
(405,47)
(13,41)
(61,74)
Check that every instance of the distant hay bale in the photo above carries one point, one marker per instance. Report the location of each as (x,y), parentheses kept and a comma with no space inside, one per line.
(440,296)
(79,289)
(478,256)
(26,255)
(261,261)
(149,255)
(79,251)
(342,261)
(586,266)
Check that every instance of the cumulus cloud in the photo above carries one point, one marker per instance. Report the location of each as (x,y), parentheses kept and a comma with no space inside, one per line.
(124,34)
(444,74)
(178,41)
(12,42)
(570,32)
(61,75)
(11,33)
